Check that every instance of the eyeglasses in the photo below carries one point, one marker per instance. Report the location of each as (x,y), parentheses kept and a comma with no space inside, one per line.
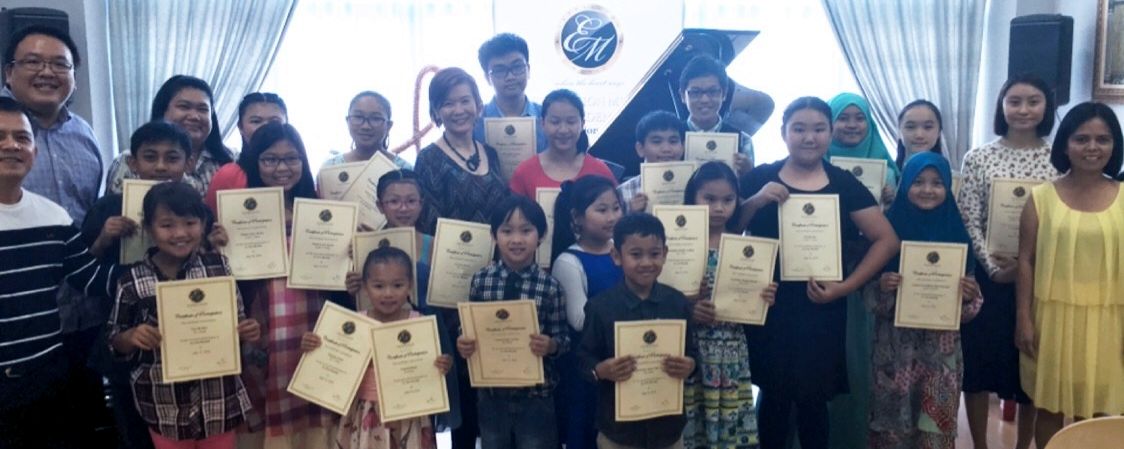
(709,93)
(359,120)
(402,204)
(35,65)
(291,161)
(501,71)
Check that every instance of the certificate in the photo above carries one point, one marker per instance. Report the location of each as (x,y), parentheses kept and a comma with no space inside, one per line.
(198,329)
(333,181)
(870,172)
(650,392)
(664,182)
(546,197)
(363,243)
(408,383)
(330,375)
(745,269)
(811,246)
(929,296)
(322,232)
(502,330)
(460,249)
(132,205)
(1004,209)
(362,190)
(687,229)
(705,147)
(514,141)
(255,224)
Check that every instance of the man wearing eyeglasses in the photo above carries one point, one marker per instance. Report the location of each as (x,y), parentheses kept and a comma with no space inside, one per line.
(505,60)
(703,88)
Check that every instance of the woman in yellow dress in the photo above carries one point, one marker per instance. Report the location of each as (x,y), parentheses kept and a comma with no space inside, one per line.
(1070,324)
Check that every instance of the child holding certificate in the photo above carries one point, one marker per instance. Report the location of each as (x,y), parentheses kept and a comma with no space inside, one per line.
(719,397)
(916,373)
(639,248)
(205,411)
(399,199)
(584,216)
(388,280)
(520,417)
(659,138)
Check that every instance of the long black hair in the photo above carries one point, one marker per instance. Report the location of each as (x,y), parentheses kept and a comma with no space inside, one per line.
(213,143)
(715,171)
(577,195)
(264,138)
(900,160)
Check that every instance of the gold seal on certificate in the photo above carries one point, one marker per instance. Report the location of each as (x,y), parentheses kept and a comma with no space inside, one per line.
(745,268)
(502,330)
(870,172)
(1004,209)
(330,375)
(546,197)
(322,232)
(333,181)
(198,329)
(255,224)
(811,246)
(408,383)
(514,141)
(132,205)
(703,147)
(460,249)
(362,190)
(664,182)
(650,392)
(929,296)
(687,228)
(363,243)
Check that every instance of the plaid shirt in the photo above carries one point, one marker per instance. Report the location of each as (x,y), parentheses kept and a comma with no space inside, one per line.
(629,189)
(488,285)
(183,410)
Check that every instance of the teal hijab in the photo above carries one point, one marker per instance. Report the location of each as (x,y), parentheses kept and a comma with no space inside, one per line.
(871,147)
(942,224)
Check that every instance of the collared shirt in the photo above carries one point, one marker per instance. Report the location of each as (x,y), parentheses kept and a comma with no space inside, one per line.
(190,410)
(530,109)
(488,285)
(68,164)
(745,142)
(598,343)
(629,189)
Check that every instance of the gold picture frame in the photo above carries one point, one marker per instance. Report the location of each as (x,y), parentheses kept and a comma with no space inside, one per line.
(1108,69)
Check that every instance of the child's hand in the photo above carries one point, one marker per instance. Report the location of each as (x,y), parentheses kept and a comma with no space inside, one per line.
(309,342)
(678,367)
(542,345)
(969,289)
(704,312)
(773,192)
(889,282)
(113,229)
(616,369)
(443,363)
(353,282)
(218,237)
(888,194)
(638,202)
(824,292)
(466,346)
(145,337)
(249,330)
(769,294)
(742,163)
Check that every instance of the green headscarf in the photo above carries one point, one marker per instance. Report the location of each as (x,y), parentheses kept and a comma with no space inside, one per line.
(871,147)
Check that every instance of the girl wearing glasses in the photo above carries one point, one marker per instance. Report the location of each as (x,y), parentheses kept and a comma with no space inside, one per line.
(369,123)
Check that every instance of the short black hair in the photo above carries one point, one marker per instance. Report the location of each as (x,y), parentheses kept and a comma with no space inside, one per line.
(802,103)
(920,103)
(701,66)
(1078,116)
(253,98)
(659,121)
(443,82)
(499,45)
(179,198)
(402,175)
(265,137)
(530,209)
(638,224)
(159,131)
(1043,129)
(388,254)
(17,39)
(11,106)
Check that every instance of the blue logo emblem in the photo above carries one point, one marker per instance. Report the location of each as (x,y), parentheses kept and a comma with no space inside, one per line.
(589,39)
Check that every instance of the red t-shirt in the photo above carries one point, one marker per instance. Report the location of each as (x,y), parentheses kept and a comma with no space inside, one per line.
(229,176)
(529,175)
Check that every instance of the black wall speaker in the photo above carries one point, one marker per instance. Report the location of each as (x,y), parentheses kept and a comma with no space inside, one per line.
(12,20)
(1042,44)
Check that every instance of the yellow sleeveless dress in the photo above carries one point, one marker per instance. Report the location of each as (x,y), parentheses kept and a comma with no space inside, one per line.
(1078,308)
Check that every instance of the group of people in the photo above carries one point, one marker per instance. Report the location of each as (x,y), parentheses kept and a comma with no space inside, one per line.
(1045,327)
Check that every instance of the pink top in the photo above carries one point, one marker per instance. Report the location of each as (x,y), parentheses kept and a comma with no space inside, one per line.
(529,175)
(369,386)
(229,177)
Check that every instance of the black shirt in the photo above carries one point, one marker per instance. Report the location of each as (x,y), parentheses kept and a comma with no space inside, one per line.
(597,344)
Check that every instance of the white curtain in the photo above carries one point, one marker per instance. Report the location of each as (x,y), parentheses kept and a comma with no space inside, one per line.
(230,44)
(902,50)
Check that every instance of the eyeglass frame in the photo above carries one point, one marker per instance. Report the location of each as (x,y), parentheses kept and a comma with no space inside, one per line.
(40,64)
(717,92)
(501,71)
(366,120)
(290,161)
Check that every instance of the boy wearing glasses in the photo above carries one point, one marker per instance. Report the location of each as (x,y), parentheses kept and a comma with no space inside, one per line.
(505,60)
(703,87)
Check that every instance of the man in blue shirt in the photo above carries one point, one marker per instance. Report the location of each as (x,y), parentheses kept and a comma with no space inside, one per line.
(506,63)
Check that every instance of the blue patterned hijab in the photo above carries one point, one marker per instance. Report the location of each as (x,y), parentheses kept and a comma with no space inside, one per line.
(942,224)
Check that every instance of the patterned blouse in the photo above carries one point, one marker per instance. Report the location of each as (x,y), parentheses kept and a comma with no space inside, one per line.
(199,178)
(981,165)
(451,192)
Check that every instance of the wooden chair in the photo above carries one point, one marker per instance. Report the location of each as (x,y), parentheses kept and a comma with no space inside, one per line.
(1098,433)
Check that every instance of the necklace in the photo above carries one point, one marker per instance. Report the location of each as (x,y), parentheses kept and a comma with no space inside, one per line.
(473,162)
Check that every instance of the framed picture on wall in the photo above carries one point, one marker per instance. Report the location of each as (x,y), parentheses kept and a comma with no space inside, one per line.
(1108,70)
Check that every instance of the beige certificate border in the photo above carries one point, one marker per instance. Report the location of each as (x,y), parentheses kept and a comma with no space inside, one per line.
(544,195)
(302,203)
(129,189)
(729,241)
(648,169)
(1028,184)
(469,313)
(429,325)
(812,198)
(277,192)
(333,171)
(435,259)
(226,282)
(490,126)
(692,152)
(962,253)
(364,194)
(353,387)
(878,165)
(659,212)
(361,239)
(679,326)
